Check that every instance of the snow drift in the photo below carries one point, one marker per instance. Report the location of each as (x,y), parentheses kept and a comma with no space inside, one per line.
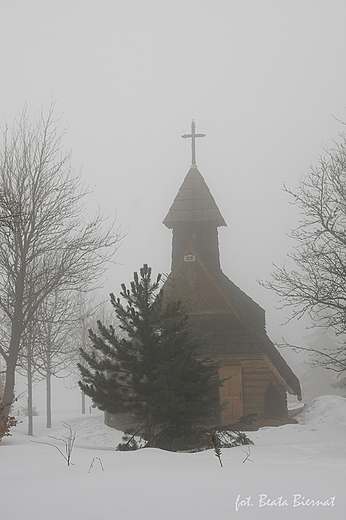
(293,472)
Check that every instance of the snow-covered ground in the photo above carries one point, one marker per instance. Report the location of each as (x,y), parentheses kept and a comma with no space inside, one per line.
(292,472)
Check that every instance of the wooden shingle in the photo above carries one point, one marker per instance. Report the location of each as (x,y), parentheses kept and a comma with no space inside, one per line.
(194,203)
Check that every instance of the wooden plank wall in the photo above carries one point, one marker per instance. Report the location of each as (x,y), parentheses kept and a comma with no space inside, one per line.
(256,376)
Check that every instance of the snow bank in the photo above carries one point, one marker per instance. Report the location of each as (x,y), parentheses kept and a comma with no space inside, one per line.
(324,410)
(260,482)
(90,433)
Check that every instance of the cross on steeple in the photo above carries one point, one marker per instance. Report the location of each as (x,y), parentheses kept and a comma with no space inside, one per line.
(193,136)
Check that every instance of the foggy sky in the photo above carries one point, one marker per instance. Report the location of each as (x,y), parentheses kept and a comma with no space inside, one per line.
(265,80)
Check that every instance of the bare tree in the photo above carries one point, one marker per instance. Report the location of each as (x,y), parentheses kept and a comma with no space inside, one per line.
(98,309)
(313,280)
(68,441)
(46,244)
(51,345)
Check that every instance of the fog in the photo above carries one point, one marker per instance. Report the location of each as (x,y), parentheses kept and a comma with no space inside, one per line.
(264,80)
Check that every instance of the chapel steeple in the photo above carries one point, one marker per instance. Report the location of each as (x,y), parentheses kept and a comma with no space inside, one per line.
(231,324)
(195,217)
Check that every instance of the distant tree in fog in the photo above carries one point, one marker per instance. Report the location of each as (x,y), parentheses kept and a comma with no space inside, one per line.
(49,345)
(313,279)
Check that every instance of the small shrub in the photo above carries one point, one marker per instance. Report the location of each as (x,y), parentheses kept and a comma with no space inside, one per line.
(68,440)
(6,422)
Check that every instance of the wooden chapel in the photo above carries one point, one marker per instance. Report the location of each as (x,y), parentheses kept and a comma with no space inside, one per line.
(232,323)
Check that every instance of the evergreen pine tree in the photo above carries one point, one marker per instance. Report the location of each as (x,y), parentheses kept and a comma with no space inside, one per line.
(151,369)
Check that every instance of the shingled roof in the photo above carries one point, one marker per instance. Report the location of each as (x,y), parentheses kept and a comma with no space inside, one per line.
(194,203)
(237,330)
(230,337)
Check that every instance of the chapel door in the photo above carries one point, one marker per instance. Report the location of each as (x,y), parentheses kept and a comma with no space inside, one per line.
(232,393)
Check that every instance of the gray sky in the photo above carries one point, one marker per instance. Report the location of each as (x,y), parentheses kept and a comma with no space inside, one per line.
(263,79)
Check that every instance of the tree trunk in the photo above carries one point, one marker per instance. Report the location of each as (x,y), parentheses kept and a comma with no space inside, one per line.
(49,389)
(49,399)
(8,396)
(30,407)
(13,351)
(83,403)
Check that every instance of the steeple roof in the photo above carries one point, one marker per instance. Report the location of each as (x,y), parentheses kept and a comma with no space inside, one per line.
(194,202)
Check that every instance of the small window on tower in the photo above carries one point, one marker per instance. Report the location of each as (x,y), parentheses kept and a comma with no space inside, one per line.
(189,258)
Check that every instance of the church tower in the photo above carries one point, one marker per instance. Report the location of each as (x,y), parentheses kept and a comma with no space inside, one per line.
(194,216)
(234,325)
